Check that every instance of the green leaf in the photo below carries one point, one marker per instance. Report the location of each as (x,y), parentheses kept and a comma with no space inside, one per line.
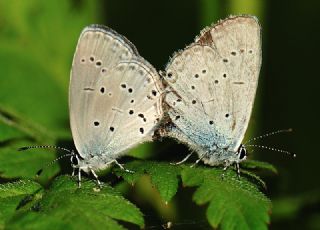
(233,203)
(252,164)
(163,176)
(38,101)
(25,164)
(88,205)
(254,178)
(11,195)
(8,132)
(65,205)
(34,220)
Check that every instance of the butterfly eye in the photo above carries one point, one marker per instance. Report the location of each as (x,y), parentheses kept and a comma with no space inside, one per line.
(243,153)
(74,160)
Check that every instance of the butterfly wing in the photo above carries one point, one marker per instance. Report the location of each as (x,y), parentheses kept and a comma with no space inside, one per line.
(212,84)
(108,80)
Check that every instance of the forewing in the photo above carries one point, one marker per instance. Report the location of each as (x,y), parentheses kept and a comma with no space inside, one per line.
(213,81)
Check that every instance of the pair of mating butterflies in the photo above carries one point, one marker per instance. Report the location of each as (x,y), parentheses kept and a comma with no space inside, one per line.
(204,97)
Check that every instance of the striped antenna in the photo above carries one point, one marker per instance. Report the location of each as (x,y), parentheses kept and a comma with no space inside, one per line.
(44,147)
(272,149)
(70,153)
(268,134)
(52,162)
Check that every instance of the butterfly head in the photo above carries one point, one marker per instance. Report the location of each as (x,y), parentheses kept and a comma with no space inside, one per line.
(75,159)
(241,153)
(78,162)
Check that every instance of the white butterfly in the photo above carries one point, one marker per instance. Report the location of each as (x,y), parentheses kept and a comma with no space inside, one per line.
(211,86)
(114,99)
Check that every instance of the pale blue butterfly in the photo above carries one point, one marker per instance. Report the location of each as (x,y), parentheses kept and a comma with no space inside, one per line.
(211,86)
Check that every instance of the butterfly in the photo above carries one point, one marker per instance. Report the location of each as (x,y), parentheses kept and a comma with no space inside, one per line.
(115,99)
(211,86)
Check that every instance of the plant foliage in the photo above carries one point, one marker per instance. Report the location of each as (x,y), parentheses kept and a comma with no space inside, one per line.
(64,204)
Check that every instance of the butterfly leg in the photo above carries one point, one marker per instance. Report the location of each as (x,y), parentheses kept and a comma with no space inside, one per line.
(197,161)
(183,160)
(226,165)
(121,166)
(238,170)
(73,171)
(79,178)
(96,177)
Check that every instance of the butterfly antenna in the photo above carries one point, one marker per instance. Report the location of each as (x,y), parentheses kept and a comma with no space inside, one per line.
(273,149)
(52,162)
(268,134)
(70,153)
(44,147)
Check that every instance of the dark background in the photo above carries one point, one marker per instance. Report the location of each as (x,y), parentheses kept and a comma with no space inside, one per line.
(287,93)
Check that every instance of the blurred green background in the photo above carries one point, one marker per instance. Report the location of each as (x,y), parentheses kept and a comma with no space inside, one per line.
(37,41)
